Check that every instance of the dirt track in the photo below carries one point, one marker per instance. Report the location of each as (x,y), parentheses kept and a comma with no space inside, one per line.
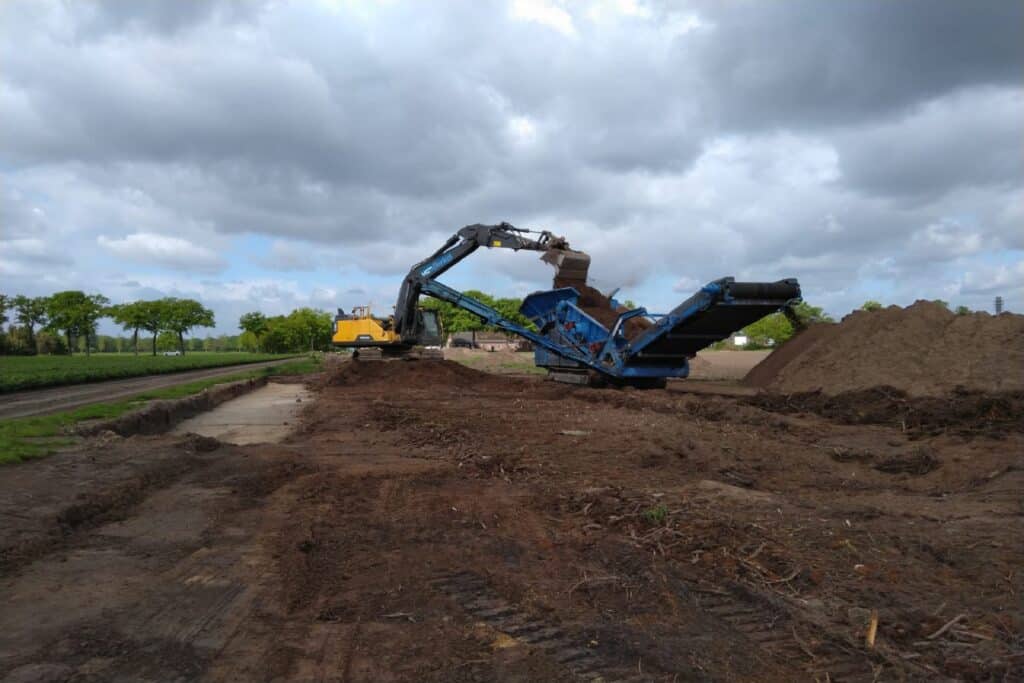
(428,523)
(45,401)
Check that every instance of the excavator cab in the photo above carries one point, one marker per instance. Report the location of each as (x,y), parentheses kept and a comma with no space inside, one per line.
(430,328)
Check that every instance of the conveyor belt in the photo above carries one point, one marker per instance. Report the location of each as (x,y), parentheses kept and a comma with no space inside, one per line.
(711,315)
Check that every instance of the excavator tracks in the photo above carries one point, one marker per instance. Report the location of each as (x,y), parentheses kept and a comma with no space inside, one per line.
(474,594)
(764,623)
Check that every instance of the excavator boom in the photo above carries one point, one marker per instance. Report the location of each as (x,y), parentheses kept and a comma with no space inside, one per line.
(463,243)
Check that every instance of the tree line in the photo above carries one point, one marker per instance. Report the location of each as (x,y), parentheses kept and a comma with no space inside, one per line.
(304,329)
(55,323)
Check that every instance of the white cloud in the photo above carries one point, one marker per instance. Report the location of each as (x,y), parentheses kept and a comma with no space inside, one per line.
(1001,279)
(163,250)
(545,13)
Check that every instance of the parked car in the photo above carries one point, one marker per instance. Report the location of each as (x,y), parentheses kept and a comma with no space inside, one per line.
(172,353)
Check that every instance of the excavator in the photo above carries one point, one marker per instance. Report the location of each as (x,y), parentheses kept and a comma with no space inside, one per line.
(413,330)
(568,340)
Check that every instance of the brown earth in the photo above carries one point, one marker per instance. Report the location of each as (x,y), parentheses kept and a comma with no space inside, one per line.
(427,522)
(923,349)
(599,307)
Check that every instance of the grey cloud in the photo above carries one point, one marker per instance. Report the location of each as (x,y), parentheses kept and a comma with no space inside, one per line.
(962,141)
(775,138)
(809,63)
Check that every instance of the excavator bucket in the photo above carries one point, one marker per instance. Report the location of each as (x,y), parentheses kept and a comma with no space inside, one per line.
(570,266)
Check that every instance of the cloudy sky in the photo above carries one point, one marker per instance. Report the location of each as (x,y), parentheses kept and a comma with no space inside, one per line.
(267,155)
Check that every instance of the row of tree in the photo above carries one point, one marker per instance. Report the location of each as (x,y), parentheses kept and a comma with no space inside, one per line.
(455,319)
(304,329)
(75,315)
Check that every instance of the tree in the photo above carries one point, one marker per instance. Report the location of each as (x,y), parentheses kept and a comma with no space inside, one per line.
(50,344)
(963,310)
(94,308)
(809,314)
(776,328)
(31,311)
(75,313)
(944,304)
(184,314)
(254,323)
(768,331)
(153,317)
(5,303)
(167,341)
(870,305)
(132,317)
(310,327)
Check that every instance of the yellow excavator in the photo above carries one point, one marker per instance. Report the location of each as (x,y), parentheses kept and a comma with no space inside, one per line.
(371,337)
(415,331)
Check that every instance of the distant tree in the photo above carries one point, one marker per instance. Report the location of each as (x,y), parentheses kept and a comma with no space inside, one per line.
(776,328)
(255,323)
(94,308)
(131,317)
(153,318)
(870,306)
(247,341)
(509,309)
(311,327)
(963,310)
(49,343)
(5,303)
(195,344)
(809,314)
(76,313)
(30,313)
(19,341)
(182,315)
(167,341)
(768,331)
(944,304)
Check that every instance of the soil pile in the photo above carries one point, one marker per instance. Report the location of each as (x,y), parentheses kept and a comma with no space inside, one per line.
(416,374)
(599,307)
(923,350)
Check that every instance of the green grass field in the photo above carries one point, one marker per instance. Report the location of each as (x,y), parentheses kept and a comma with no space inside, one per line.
(33,372)
(33,437)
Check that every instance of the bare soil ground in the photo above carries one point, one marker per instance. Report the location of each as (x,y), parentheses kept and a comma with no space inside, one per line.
(708,365)
(428,522)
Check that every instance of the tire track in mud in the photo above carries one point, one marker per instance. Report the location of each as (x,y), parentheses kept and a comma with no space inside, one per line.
(776,631)
(474,594)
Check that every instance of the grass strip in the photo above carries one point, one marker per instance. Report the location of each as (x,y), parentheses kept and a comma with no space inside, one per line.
(35,372)
(26,438)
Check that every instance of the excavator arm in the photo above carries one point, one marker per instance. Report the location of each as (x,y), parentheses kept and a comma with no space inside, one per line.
(572,263)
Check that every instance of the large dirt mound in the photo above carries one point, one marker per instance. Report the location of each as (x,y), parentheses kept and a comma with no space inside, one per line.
(924,350)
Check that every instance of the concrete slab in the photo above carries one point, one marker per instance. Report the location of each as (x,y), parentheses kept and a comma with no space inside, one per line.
(266,415)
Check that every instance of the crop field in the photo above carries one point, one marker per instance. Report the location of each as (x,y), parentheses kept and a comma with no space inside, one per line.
(32,372)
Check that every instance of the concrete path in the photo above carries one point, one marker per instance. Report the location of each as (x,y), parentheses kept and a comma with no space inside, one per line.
(266,415)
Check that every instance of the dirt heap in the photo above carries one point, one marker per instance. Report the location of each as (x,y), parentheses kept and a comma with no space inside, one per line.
(599,307)
(924,350)
(432,375)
